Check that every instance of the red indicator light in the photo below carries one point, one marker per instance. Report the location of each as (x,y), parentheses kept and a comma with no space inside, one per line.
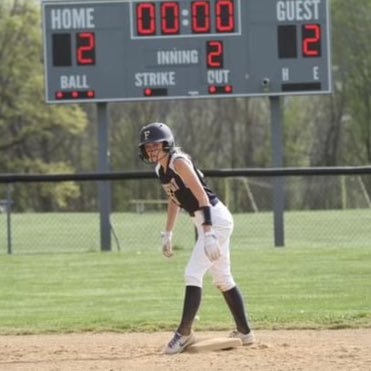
(155,92)
(220,89)
(75,94)
(212,89)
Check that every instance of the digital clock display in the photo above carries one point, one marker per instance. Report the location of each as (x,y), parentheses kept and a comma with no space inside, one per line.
(180,18)
(130,50)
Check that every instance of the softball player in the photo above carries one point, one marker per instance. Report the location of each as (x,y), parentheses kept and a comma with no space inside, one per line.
(186,189)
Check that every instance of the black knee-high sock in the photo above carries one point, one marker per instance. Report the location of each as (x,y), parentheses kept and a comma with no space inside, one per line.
(235,303)
(192,300)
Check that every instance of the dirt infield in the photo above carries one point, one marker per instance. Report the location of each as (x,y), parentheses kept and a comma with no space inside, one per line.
(340,350)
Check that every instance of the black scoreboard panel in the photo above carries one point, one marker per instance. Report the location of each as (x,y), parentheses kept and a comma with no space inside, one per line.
(162,49)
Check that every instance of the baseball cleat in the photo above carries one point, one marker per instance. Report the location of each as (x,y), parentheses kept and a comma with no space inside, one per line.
(247,339)
(179,343)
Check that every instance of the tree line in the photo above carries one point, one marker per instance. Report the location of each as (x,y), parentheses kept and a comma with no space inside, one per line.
(326,130)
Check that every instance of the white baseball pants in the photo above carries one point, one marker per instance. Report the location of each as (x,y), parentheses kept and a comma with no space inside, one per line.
(199,263)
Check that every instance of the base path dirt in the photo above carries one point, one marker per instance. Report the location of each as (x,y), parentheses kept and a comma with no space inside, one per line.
(330,350)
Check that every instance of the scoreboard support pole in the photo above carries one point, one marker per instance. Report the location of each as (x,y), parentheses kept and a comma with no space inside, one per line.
(104,187)
(277,158)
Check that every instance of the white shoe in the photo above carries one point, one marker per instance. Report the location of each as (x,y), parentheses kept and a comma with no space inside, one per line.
(178,343)
(247,339)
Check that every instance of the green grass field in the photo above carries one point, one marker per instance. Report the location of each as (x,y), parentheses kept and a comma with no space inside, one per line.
(321,279)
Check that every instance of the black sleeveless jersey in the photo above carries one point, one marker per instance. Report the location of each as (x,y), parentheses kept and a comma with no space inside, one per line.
(177,190)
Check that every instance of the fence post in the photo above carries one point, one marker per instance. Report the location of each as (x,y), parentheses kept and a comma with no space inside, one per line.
(104,186)
(8,218)
(7,205)
(277,154)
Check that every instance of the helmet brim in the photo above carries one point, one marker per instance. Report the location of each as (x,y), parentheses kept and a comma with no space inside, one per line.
(151,141)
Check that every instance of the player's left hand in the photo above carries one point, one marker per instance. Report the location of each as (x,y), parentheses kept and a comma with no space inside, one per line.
(211,246)
(167,247)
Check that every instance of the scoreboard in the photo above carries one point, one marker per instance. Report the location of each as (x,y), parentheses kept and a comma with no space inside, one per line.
(117,50)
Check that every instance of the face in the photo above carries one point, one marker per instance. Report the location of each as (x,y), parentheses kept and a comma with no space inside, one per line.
(155,151)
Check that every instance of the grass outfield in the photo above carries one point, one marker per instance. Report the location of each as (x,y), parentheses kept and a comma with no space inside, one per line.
(313,282)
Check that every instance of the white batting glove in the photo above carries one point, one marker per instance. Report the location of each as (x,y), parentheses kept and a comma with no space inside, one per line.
(167,247)
(211,246)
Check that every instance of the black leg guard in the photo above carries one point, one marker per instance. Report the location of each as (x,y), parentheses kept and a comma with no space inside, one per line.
(192,300)
(235,303)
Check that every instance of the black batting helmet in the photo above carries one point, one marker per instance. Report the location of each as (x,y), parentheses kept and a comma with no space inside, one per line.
(155,132)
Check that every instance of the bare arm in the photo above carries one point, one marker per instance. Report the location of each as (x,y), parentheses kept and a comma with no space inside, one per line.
(172,215)
(189,177)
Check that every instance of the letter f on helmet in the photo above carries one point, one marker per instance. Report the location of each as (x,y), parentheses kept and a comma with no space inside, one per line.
(146,134)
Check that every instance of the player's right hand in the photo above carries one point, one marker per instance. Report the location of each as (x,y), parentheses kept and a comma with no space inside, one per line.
(167,247)
(211,246)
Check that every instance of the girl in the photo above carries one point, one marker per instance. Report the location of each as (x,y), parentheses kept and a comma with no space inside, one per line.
(186,189)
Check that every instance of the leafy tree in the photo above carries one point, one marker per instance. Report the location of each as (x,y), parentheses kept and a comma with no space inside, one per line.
(352,52)
(34,137)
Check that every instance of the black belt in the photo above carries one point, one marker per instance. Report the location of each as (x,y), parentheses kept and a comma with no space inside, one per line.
(214,201)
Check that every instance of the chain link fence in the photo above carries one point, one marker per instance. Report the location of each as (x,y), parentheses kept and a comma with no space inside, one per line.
(320,210)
